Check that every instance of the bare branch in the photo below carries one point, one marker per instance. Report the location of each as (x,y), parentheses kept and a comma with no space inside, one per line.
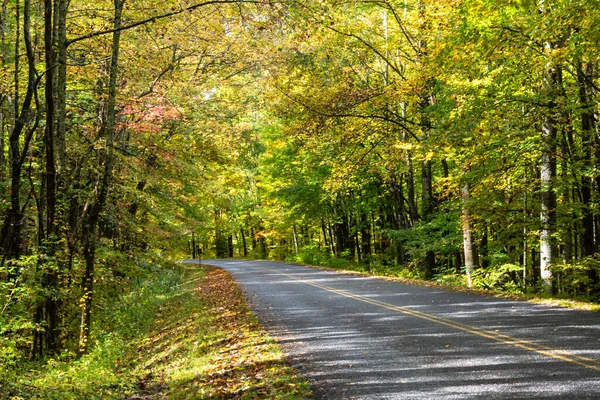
(403,123)
(159,17)
(372,48)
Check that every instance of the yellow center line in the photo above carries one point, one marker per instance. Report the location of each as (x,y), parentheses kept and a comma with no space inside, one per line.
(499,337)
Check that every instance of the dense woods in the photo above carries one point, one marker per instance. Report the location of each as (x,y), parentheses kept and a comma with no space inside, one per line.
(444,140)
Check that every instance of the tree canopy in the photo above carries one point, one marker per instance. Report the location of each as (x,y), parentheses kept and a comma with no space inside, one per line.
(454,141)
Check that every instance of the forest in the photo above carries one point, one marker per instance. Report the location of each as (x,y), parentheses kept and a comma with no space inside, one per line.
(453,141)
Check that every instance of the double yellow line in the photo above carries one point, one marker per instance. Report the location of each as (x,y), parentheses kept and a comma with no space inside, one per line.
(493,335)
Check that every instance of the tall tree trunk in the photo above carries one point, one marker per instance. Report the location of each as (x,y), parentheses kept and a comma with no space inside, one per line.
(3,20)
(339,229)
(262,242)
(332,239)
(365,235)
(428,207)
(193,246)
(410,186)
(467,237)
(2,137)
(427,201)
(324,232)
(567,247)
(89,256)
(589,234)
(221,245)
(230,245)
(295,239)
(50,280)
(91,225)
(12,227)
(548,177)
(244,246)
(253,236)
(61,9)
(350,228)
(3,96)
(397,191)
(587,144)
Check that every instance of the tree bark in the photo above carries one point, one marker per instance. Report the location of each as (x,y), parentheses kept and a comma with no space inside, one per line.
(400,215)
(244,245)
(467,237)
(253,236)
(588,127)
(91,225)
(89,256)
(3,96)
(548,178)
(567,247)
(428,207)
(410,186)
(324,232)
(230,245)
(61,10)
(12,227)
(221,245)
(365,235)
(50,280)
(295,239)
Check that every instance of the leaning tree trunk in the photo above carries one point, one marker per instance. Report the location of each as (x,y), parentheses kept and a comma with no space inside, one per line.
(91,224)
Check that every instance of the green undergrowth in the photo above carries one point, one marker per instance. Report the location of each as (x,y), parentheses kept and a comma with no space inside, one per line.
(179,334)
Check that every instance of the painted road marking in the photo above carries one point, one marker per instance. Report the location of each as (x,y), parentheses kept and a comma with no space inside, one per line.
(499,337)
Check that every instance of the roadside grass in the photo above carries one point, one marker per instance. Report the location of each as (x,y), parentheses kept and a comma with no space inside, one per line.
(207,344)
(184,335)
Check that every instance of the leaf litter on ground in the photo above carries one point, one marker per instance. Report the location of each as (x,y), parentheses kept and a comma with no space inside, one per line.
(208,344)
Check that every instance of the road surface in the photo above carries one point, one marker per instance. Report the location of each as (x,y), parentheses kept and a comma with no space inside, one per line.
(366,338)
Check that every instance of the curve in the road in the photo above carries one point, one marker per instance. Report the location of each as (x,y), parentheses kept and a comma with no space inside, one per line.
(494,335)
(359,337)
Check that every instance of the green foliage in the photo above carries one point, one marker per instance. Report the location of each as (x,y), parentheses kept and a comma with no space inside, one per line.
(162,336)
(310,128)
(505,277)
(18,295)
(313,255)
(440,234)
(576,280)
(96,375)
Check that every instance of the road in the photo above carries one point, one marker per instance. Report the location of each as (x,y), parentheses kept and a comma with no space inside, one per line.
(358,337)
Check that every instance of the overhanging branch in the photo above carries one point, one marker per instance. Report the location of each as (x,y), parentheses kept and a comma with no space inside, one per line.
(159,17)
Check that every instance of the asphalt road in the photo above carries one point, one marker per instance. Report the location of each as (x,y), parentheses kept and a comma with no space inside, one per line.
(366,338)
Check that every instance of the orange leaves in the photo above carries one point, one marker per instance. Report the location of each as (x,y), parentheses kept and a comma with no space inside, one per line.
(149,116)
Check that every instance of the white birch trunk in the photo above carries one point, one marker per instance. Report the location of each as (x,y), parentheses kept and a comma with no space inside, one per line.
(547,177)
(295,236)
(467,237)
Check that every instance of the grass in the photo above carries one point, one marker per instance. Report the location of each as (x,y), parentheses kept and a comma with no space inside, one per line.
(190,338)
